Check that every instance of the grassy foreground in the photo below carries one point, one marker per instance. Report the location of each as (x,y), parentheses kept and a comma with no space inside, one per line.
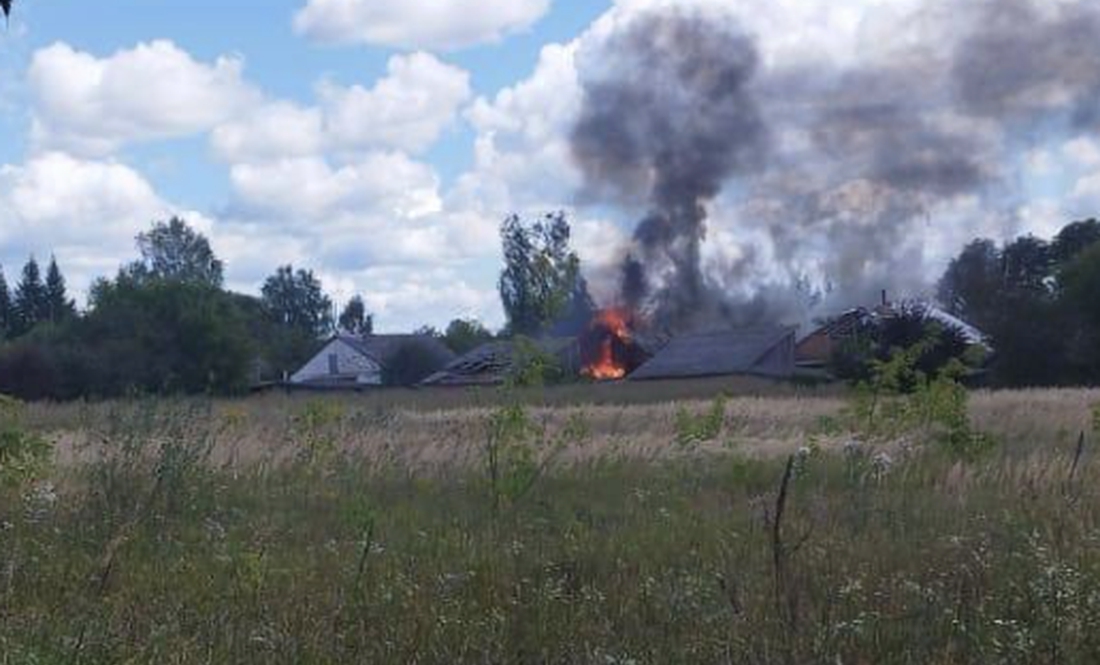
(153,537)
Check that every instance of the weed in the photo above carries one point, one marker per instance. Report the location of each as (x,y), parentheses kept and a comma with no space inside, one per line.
(697,428)
(24,456)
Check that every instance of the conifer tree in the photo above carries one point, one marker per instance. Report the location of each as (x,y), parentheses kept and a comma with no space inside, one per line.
(58,305)
(30,303)
(6,313)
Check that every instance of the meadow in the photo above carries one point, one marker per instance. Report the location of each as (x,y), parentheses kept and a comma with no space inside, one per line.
(664,524)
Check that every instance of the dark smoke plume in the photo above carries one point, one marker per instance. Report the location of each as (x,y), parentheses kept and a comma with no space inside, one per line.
(842,174)
(668,119)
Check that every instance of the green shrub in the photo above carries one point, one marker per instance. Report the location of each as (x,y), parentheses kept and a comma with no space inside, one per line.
(696,428)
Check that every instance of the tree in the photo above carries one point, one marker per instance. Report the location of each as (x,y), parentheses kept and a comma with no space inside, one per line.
(296,300)
(1027,265)
(30,304)
(173,251)
(58,304)
(1080,300)
(1074,239)
(969,288)
(164,336)
(414,361)
(354,320)
(464,335)
(541,273)
(7,315)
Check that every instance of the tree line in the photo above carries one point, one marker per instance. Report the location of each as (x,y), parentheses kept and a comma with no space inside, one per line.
(1039,302)
(165,323)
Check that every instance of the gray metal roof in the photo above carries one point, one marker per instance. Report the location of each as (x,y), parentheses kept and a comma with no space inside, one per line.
(716,353)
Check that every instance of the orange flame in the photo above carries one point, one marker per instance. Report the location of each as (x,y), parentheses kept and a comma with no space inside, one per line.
(615,323)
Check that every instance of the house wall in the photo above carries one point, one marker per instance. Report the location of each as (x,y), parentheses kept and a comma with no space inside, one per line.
(778,362)
(817,348)
(351,365)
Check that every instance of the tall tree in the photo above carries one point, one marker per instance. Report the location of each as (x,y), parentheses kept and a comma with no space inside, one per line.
(296,300)
(541,272)
(1027,265)
(175,252)
(969,287)
(7,315)
(465,335)
(30,304)
(59,306)
(1074,239)
(354,320)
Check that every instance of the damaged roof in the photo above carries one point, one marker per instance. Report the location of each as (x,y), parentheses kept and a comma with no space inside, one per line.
(492,363)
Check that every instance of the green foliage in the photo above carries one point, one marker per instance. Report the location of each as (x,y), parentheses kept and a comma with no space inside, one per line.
(7,310)
(173,251)
(511,464)
(1038,303)
(296,300)
(59,307)
(354,320)
(541,276)
(901,401)
(314,429)
(519,450)
(24,457)
(414,361)
(696,428)
(30,303)
(165,336)
(464,335)
(532,366)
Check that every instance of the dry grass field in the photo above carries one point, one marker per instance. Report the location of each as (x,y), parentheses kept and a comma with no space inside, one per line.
(657,524)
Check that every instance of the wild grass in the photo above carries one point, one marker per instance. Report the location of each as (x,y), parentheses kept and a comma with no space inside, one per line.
(286,530)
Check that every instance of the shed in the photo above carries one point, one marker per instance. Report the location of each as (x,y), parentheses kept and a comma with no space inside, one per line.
(352,361)
(767,352)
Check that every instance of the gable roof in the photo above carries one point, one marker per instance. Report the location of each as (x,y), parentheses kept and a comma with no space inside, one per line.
(383,348)
(717,353)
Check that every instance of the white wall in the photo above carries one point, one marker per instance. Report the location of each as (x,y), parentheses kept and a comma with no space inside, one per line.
(350,363)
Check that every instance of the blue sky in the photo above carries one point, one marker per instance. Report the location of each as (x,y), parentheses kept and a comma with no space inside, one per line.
(380,142)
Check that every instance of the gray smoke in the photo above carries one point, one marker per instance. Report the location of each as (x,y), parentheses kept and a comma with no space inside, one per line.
(843,170)
(667,120)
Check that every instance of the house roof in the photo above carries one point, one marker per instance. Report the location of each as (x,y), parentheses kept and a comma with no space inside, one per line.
(714,353)
(382,348)
(491,363)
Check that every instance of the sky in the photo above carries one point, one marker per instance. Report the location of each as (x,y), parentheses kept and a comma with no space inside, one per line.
(378,142)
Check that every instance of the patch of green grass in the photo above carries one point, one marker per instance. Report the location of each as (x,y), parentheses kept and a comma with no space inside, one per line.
(151,553)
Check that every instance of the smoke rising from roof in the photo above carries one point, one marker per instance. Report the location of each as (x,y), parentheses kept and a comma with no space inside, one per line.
(843,169)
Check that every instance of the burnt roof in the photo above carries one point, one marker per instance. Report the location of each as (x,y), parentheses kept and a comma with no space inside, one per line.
(715,353)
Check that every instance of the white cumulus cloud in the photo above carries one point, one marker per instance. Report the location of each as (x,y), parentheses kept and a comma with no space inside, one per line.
(406,110)
(416,24)
(92,106)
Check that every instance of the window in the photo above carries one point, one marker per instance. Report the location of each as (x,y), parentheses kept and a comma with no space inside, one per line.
(333,364)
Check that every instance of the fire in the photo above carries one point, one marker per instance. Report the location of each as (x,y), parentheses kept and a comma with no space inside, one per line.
(606,344)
